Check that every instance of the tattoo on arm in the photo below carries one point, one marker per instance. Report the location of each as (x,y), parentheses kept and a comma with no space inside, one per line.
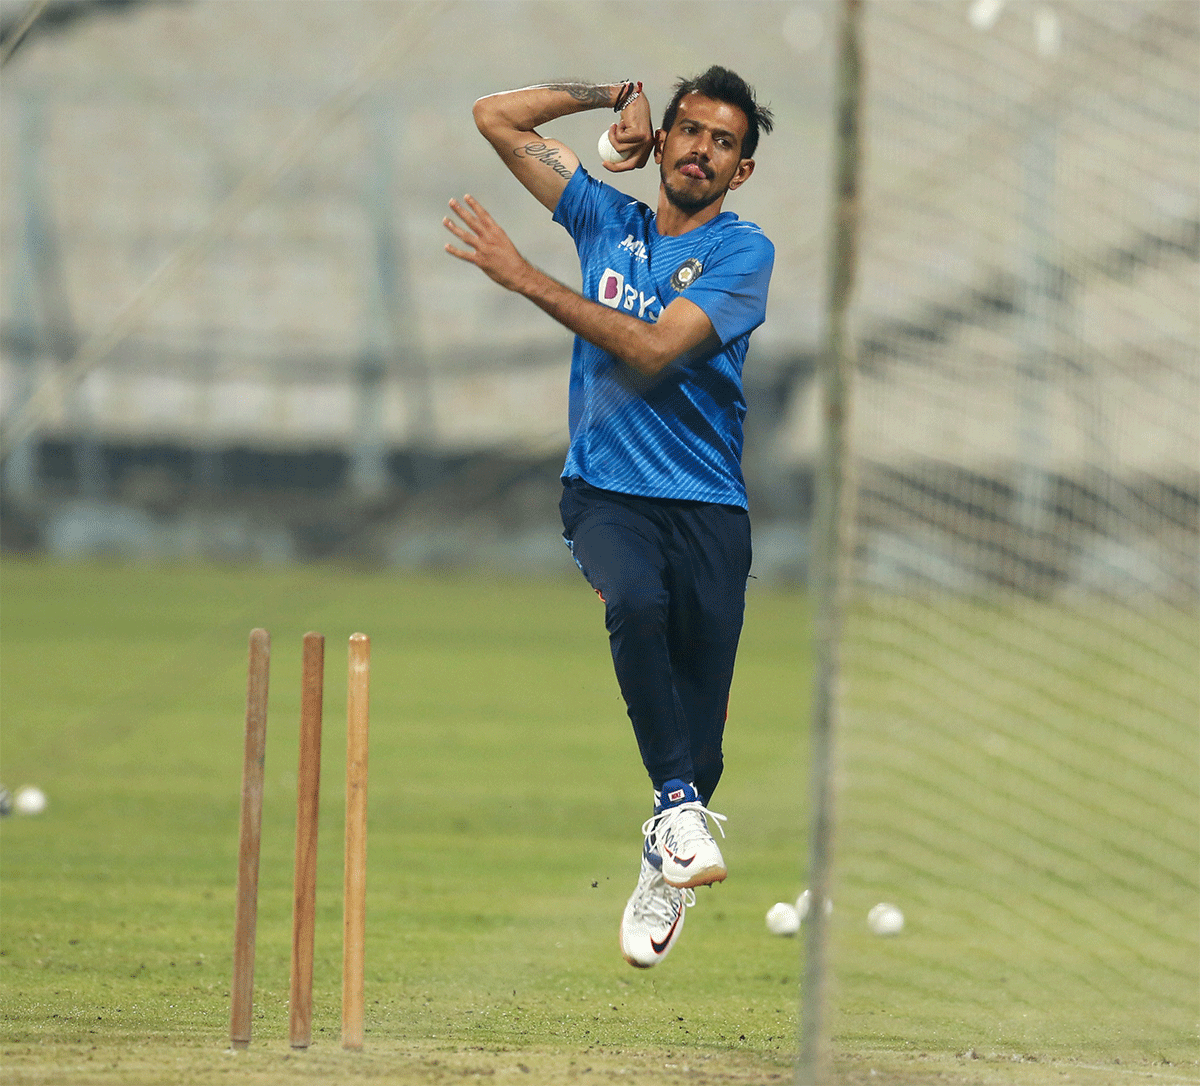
(588,93)
(548,156)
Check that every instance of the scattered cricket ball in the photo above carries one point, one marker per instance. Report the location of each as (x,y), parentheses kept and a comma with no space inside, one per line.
(804,901)
(885,919)
(782,919)
(29,800)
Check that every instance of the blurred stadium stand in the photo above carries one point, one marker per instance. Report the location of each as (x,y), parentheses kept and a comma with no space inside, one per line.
(329,383)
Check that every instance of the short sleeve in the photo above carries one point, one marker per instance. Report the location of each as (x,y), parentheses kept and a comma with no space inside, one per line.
(732,289)
(585,205)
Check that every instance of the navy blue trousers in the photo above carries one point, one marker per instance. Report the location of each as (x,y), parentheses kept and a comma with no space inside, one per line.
(672,575)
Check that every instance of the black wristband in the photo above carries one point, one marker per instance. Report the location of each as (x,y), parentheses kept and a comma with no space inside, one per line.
(630,92)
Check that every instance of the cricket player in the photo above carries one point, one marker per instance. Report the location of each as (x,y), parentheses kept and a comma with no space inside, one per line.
(654,504)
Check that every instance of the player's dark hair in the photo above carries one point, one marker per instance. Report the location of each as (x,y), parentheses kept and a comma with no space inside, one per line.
(723,85)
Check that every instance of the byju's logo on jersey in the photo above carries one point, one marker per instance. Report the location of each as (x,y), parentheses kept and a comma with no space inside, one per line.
(685,275)
(612,288)
(615,293)
(636,248)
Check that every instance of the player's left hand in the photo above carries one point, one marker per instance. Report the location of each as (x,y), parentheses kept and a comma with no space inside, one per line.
(491,249)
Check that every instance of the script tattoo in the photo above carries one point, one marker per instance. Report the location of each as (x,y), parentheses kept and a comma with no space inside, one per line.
(548,156)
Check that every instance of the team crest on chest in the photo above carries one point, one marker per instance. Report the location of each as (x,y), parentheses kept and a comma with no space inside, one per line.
(685,275)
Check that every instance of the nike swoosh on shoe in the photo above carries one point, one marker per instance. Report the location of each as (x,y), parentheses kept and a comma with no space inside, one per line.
(660,947)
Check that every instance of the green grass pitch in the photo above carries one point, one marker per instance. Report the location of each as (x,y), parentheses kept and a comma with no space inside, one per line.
(505,803)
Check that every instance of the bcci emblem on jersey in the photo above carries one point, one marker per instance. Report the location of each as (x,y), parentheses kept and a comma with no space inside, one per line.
(686,273)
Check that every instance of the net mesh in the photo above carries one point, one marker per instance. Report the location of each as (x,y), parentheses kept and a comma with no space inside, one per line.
(1020,747)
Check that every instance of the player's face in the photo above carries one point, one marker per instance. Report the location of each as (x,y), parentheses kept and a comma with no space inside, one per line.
(700,158)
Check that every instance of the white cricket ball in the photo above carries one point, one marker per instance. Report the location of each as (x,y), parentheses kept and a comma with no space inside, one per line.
(885,919)
(782,919)
(804,901)
(608,152)
(29,800)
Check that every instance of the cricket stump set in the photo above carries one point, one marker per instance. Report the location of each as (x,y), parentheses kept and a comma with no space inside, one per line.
(308,787)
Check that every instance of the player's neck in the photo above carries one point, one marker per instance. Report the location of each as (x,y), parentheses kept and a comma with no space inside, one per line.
(672,221)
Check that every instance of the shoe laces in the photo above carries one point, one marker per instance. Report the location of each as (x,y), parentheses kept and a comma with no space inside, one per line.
(656,897)
(675,820)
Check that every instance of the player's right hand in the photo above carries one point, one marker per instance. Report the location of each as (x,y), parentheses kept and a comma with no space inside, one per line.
(633,131)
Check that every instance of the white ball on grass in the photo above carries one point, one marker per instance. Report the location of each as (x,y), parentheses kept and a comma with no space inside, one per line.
(29,800)
(804,903)
(782,919)
(885,919)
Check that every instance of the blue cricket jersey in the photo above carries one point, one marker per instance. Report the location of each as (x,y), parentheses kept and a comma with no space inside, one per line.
(679,436)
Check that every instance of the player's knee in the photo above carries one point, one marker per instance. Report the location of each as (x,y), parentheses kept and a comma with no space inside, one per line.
(636,605)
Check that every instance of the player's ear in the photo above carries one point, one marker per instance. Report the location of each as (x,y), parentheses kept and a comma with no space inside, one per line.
(743,172)
(660,141)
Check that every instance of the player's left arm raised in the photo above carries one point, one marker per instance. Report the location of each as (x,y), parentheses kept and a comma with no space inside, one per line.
(645,347)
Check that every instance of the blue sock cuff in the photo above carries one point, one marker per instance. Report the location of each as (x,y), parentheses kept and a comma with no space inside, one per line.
(673,793)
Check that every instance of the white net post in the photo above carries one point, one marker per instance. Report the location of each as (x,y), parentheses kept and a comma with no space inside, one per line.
(831,542)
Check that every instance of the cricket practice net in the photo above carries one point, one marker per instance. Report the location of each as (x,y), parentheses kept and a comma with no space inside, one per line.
(1019,746)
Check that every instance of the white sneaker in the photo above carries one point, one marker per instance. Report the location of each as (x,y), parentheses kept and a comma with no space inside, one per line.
(653,917)
(678,832)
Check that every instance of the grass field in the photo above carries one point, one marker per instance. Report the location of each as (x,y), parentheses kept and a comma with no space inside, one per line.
(505,802)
